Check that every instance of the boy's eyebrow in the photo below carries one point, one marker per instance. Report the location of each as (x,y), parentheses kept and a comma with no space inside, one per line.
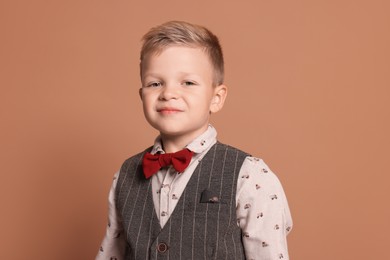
(157,75)
(153,76)
(150,75)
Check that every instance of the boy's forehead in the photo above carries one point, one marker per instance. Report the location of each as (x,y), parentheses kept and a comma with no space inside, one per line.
(179,61)
(188,58)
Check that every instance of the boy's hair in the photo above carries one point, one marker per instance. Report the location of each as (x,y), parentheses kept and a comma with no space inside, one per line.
(184,34)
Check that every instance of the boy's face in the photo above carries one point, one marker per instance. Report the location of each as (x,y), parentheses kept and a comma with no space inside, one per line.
(178,93)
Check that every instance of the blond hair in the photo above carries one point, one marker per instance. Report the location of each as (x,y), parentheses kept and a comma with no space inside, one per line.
(184,34)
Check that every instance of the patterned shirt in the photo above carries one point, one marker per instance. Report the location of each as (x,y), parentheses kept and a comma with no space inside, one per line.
(261,205)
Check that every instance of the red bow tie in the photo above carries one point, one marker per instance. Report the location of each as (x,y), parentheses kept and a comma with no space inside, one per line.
(180,160)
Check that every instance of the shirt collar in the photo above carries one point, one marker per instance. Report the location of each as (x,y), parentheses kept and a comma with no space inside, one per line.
(198,145)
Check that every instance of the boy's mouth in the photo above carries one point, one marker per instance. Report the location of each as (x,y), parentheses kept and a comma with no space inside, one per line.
(168,110)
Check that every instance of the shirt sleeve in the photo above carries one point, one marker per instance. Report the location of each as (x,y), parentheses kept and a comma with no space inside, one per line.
(114,244)
(262,212)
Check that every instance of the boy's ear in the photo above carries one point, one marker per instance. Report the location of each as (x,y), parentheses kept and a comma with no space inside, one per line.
(140,93)
(220,93)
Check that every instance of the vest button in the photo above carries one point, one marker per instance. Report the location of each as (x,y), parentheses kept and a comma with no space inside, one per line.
(162,247)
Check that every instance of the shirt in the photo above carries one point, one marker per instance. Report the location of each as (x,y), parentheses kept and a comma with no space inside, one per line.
(261,206)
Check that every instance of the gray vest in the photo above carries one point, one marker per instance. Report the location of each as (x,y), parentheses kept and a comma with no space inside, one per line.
(203,225)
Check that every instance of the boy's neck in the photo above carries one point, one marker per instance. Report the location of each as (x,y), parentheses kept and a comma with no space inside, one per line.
(172,144)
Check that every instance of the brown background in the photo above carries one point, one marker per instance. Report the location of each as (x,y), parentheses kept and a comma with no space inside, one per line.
(309,92)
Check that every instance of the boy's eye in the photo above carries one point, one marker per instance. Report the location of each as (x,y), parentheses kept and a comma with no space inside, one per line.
(189,83)
(154,84)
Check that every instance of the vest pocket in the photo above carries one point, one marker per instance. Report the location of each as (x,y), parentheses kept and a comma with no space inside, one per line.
(210,196)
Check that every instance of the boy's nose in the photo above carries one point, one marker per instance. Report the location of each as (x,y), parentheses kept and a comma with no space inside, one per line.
(169,91)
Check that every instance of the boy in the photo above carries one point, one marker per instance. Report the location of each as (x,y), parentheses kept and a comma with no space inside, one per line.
(189,196)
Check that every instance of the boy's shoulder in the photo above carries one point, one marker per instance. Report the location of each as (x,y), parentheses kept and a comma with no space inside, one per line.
(230,147)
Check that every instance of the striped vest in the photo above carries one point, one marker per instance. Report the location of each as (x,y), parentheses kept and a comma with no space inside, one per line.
(203,225)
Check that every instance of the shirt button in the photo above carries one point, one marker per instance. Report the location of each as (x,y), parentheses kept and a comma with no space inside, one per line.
(162,247)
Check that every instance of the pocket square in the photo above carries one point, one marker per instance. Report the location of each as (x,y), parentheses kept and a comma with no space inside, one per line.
(209,196)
